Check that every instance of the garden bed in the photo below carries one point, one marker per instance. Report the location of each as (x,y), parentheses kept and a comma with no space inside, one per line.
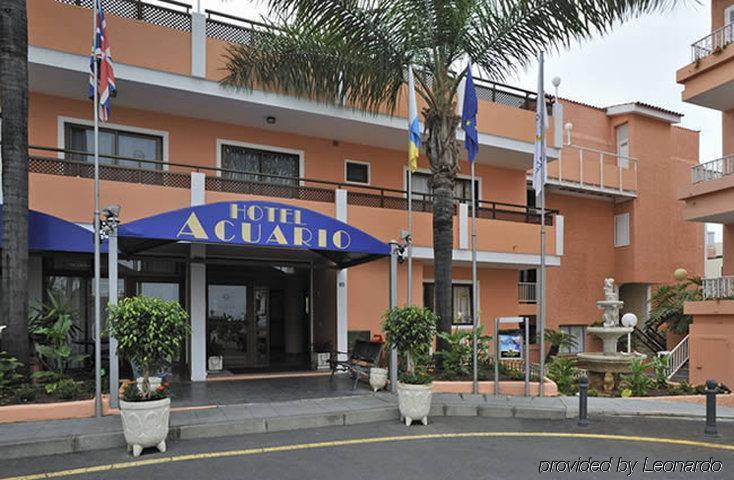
(31,412)
(486,387)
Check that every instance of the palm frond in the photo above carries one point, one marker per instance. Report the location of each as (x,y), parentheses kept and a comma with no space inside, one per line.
(331,53)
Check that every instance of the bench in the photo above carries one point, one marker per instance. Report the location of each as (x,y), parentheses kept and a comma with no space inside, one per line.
(364,355)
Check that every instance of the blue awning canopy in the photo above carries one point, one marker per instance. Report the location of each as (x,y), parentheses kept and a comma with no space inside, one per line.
(49,233)
(255,224)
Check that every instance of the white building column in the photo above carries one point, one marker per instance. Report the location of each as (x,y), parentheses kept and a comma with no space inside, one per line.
(341,283)
(197,290)
(464,225)
(198,45)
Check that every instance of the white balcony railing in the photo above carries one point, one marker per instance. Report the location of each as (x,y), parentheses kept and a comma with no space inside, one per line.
(713,42)
(677,357)
(594,171)
(704,172)
(526,292)
(718,288)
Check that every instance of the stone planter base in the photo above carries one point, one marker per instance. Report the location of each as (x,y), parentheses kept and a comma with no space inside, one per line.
(414,402)
(378,378)
(145,424)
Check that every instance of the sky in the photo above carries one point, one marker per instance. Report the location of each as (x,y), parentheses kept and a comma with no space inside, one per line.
(635,62)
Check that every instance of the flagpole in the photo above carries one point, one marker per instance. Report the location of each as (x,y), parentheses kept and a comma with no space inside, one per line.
(409,240)
(97,320)
(474,292)
(541,299)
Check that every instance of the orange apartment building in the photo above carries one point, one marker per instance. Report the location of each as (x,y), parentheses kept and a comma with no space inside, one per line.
(178,140)
(708,195)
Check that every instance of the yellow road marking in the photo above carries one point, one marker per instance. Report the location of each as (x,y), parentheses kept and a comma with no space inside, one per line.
(361,441)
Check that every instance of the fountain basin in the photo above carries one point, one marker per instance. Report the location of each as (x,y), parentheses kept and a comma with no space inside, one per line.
(609,336)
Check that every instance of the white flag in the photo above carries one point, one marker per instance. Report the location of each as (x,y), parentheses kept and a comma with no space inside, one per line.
(541,125)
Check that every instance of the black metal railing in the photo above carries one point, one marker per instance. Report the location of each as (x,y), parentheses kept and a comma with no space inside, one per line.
(165,13)
(76,163)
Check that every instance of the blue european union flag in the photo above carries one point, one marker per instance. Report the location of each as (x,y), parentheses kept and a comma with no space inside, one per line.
(469,116)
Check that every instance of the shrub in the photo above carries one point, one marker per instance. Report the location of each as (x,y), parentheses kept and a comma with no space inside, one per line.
(457,358)
(24,393)
(563,371)
(52,330)
(411,330)
(660,366)
(637,381)
(149,333)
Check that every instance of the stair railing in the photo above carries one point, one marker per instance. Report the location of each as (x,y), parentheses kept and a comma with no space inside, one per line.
(677,357)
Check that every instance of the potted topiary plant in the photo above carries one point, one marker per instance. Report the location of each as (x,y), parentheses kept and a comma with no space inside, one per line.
(411,331)
(149,332)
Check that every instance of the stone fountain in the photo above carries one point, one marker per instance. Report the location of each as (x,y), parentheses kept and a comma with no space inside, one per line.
(605,367)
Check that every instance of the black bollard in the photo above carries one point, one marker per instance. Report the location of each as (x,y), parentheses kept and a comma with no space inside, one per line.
(711,387)
(583,401)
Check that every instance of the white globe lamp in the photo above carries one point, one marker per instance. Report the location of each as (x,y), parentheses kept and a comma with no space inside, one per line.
(629,320)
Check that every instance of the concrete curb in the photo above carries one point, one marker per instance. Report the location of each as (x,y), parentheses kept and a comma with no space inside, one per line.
(445,405)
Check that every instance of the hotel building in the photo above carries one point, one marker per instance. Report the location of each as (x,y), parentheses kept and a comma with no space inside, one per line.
(247,163)
(708,195)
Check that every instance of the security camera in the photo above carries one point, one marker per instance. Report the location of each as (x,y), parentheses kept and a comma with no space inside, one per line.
(111,211)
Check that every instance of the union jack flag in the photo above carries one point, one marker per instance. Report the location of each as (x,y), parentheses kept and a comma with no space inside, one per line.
(102,55)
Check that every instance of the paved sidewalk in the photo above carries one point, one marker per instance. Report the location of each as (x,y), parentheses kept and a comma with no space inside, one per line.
(30,439)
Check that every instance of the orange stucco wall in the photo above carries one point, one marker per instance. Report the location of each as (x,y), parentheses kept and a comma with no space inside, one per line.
(711,341)
(65,27)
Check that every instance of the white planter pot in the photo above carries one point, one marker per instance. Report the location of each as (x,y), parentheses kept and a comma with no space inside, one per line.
(145,424)
(414,402)
(378,378)
(155,382)
(216,362)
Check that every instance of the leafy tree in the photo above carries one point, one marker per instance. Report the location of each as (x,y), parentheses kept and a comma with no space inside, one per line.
(558,340)
(14,107)
(666,305)
(355,53)
(411,330)
(149,333)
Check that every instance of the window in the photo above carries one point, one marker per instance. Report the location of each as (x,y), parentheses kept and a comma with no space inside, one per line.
(257,165)
(531,198)
(622,230)
(461,302)
(119,143)
(462,186)
(579,333)
(357,172)
(729,16)
(623,145)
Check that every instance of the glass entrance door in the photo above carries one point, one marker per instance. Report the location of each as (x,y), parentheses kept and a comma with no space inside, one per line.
(228,332)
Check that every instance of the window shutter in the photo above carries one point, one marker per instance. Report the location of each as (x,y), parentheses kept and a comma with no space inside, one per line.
(622,230)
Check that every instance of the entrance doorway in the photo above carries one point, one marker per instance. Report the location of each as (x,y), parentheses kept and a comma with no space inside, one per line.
(257,317)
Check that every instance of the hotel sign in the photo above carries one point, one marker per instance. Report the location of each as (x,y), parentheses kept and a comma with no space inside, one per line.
(256,223)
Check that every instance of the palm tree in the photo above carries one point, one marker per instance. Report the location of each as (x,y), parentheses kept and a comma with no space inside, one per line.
(558,340)
(355,53)
(14,102)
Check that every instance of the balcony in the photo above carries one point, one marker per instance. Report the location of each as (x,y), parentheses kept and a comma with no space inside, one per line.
(709,79)
(712,170)
(712,43)
(71,163)
(720,288)
(527,292)
(710,195)
(587,170)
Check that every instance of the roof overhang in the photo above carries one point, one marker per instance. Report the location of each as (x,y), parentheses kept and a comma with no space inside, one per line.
(188,96)
(645,111)
(52,234)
